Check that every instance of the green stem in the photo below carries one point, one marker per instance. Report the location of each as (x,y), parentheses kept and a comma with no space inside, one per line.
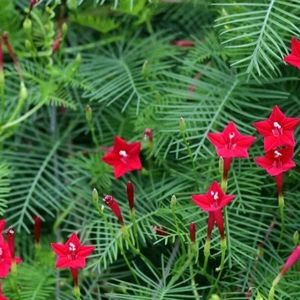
(135,228)
(206,254)
(77,293)
(274,284)
(195,292)
(282,216)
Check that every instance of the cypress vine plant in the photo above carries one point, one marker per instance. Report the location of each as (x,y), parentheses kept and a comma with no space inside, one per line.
(118,118)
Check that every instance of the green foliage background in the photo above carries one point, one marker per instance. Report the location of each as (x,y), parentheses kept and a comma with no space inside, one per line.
(118,57)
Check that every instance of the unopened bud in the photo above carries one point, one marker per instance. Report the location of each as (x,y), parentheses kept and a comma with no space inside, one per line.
(23,91)
(64,29)
(193,232)
(173,201)
(130,194)
(113,205)
(214,297)
(28,45)
(37,229)
(182,125)
(88,114)
(148,135)
(27,25)
(296,237)
(145,69)
(95,196)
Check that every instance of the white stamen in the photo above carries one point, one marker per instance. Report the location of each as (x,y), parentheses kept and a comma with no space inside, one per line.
(123,153)
(215,195)
(277,125)
(72,247)
(231,135)
(277,154)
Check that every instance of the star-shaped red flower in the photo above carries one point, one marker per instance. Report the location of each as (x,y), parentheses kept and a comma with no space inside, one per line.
(72,254)
(277,130)
(277,161)
(213,201)
(230,143)
(294,58)
(123,157)
(5,259)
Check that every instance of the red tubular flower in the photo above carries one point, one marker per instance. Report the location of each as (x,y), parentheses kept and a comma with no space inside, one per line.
(277,161)
(193,232)
(229,144)
(2,297)
(293,258)
(148,135)
(74,273)
(212,202)
(72,254)
(123,157)
(277,130)
(294,58)
(37,229)
(5,259)
(10,237)
(130,195)
(183,43)
(113,205)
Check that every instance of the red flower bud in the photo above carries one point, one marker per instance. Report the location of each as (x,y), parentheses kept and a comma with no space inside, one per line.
(32,4)
(148,135)
(293,258)
(10,236)
(113,205)
(37,229)
(56,43)
(183,43)
(159,230)
(130,194)
(193,232)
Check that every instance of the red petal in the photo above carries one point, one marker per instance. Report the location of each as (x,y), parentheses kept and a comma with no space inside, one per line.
(75,240)
(276,115)
(120,169)
(59,249)
(85,250)
(291,123)
(134,149)
(2,225)
(231,128)
(226,200)
(292,60)
(111,158)
(134,163)
(216,188)
(295,45)
(4,269)
(63,262)
(263,127)
(202,201)
(216,139)
(210,224)
(263,162)
(120,144)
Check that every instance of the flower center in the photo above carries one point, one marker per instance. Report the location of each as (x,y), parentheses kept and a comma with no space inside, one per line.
(277,159)
(231,144)
(72,249)
(277,129)
(215,197)
(123,155)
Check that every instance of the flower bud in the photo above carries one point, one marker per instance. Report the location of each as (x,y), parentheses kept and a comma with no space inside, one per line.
(159,230)
(182,125)
(113,205)
(72,4)
(148,135)
(145,69)
(27,25)
(10,236)
(23,91)
(130,195)
(37,229)
(88,114)
(214,297)
(296,237)
(173,201)
(193,232)
(95,196)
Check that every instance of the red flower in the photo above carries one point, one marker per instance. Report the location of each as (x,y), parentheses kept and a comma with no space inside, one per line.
(183,43)
(277,161)
(2,226)
(213,201)
(5,259)
(1,295)
(114,206)
(72,254)
(294,58)
(277,130)
(124,157)
(230,143)
(130,194)
(293,258)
